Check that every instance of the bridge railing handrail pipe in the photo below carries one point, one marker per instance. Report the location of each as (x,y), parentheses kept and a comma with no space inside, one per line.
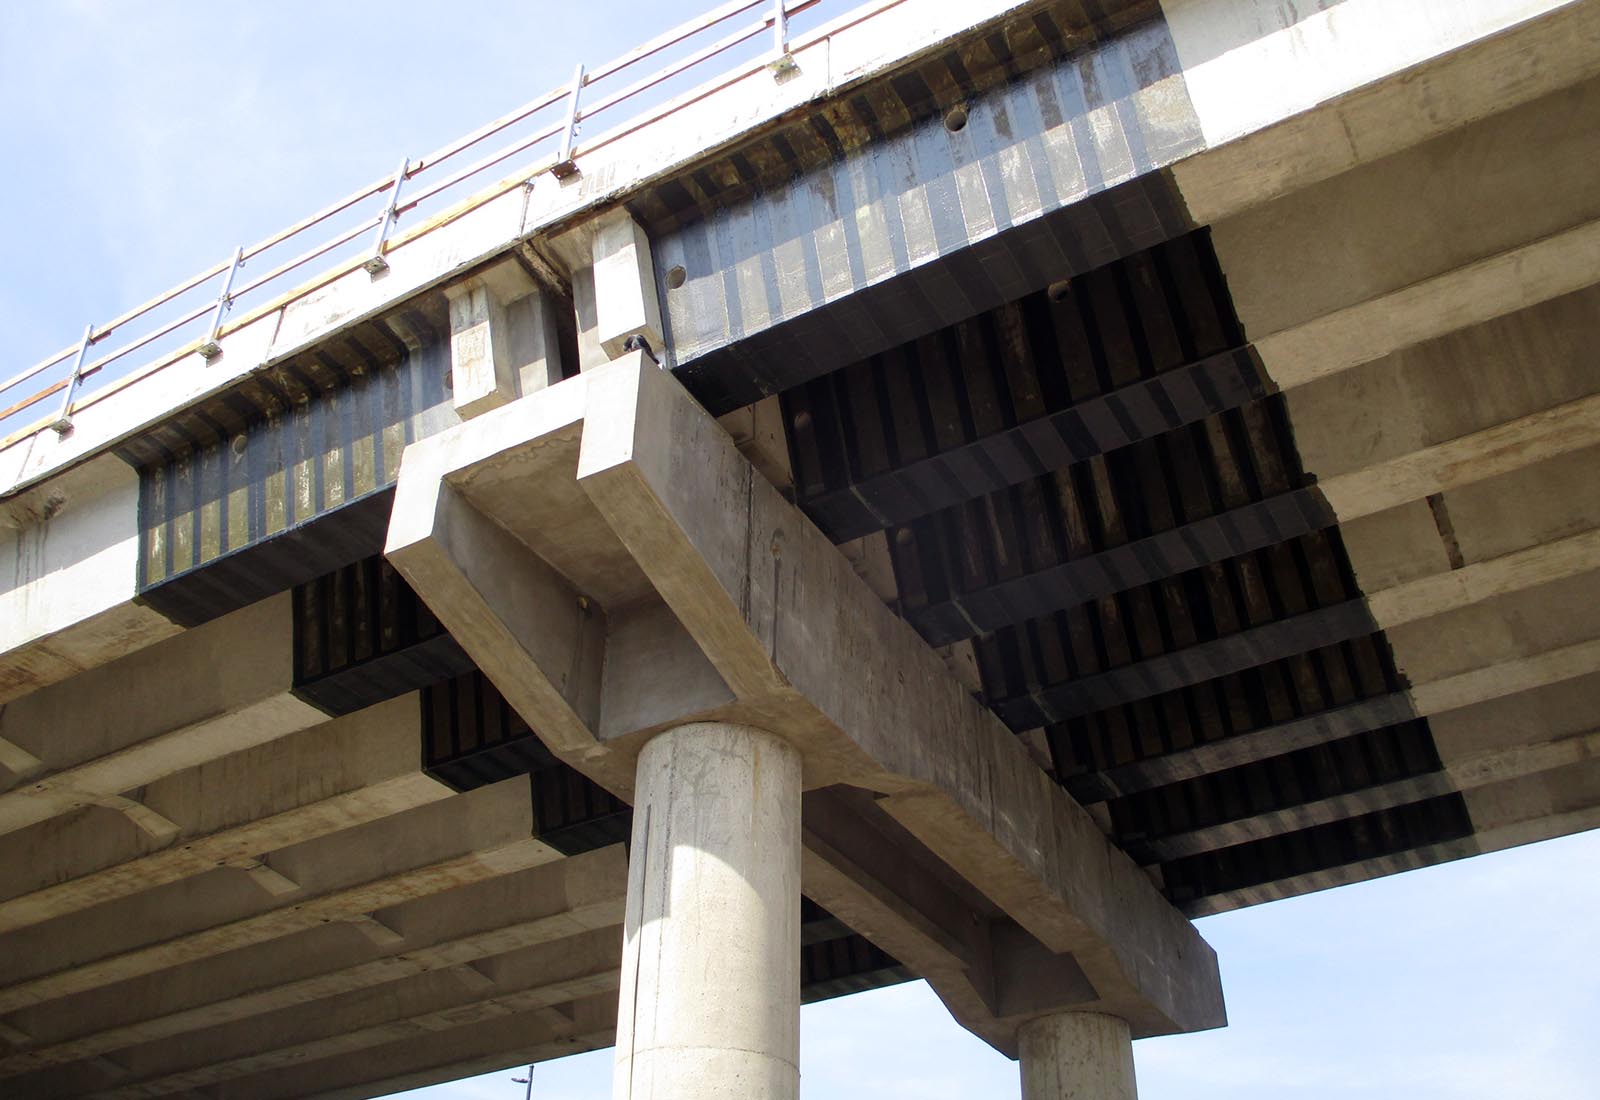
(401,196)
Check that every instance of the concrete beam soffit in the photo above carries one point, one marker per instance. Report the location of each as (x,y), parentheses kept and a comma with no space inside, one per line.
(463,848)
(1472,294)
(577,969)
(133,732)
(334,776)
(18,763)
(550,903)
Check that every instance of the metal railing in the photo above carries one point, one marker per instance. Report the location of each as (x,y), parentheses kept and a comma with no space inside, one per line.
(176,315)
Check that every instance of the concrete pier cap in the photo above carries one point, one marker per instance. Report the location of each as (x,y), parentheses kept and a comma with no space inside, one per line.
(618,569)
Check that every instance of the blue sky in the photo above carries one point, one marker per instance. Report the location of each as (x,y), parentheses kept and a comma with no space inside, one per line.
(145,139)
(1474,980)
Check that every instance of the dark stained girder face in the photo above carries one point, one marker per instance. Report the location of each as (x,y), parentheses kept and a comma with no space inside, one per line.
(1076,485)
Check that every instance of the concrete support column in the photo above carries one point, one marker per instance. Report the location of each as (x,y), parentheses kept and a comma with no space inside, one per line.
(1077,1056)
(710,998)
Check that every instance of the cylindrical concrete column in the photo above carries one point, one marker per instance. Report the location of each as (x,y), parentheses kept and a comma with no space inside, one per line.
(1077,1056)
(710,999)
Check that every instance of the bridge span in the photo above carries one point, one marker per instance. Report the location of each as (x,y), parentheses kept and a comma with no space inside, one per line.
(955,497)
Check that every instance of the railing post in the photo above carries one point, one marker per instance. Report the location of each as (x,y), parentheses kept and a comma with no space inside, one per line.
(63,421)
(782,60)
(376,264)
(210,349)
(565,166)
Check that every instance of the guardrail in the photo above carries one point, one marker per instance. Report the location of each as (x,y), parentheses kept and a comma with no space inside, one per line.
(174,316)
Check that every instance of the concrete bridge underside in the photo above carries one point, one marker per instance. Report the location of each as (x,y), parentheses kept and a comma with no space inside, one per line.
(1038,477)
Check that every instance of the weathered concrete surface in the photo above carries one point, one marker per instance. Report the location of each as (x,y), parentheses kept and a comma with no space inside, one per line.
(1366,116)
(1409,235)
(1312,53)
(829,61)
(69,551)
(1337,112)
(713,889)
(501,338)
(228,812)
(626,306)
(540,976)
(470,926)
(1425,295)
(796,637)
(801,624)
(130,727)
(1437,357)
(1349,269)
(1077,1056)
(344,877)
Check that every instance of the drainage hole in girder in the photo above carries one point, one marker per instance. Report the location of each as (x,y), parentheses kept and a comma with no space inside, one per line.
(955,120)
(1059,290)
(676,276)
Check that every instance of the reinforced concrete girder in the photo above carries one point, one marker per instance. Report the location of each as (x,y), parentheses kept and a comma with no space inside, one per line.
(228,812)
(1519,810)
(1487,288)
(1493,426)
(468,926)
(532,568)
(543,975)
(476,1046)
(1518,571)
(1515,226)
(69,550)
(125,726)
(1412,601)
(1355,82)
(1351,90)
(1467,774)
(346,877)
(990,973)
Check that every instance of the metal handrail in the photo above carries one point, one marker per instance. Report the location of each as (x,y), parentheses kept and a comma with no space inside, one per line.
(721,45)
(484,164)
(398,203)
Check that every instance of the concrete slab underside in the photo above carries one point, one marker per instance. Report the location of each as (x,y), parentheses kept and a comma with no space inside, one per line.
(1360,399)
